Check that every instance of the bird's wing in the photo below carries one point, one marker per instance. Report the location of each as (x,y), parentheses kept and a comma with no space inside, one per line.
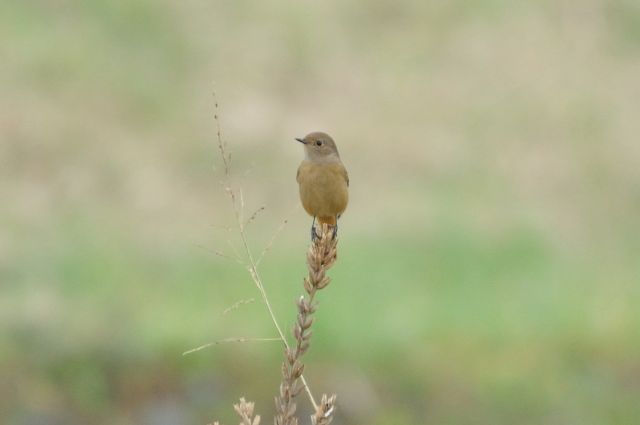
(345,175)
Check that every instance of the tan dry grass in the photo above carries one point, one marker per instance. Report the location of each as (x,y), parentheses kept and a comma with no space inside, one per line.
(321,256)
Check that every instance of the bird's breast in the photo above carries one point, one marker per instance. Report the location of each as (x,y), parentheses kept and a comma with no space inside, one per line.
(323,188)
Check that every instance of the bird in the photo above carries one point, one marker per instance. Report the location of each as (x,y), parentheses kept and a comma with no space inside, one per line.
(323,181)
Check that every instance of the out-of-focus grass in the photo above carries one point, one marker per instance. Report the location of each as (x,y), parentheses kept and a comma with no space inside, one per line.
(488,261)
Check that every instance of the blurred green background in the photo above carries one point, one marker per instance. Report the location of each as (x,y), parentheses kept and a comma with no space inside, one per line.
(488,267)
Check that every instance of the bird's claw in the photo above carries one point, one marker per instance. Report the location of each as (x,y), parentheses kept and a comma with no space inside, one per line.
(314,234)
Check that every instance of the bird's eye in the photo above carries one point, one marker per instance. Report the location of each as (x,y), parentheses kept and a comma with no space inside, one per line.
(318,142)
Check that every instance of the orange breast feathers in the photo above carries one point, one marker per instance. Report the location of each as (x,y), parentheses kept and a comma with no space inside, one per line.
(323,190)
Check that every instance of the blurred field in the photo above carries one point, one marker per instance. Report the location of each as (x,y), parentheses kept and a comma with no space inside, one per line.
(488,269)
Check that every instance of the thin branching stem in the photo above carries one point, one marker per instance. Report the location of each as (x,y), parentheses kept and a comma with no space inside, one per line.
(229,340)
(252,264)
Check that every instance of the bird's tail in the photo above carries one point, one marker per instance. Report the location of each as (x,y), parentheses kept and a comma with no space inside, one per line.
(327,220)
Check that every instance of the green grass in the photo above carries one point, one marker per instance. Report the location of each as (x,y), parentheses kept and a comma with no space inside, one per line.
(500,328)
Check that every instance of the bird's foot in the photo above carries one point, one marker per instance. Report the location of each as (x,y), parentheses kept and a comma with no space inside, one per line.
(314,234)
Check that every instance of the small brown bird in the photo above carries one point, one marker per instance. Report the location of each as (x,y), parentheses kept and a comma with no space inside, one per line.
(323,181)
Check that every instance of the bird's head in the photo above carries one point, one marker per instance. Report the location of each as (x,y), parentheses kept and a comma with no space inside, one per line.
(319,146)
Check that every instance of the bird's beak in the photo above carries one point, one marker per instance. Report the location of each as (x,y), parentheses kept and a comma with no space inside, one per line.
(301,140)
